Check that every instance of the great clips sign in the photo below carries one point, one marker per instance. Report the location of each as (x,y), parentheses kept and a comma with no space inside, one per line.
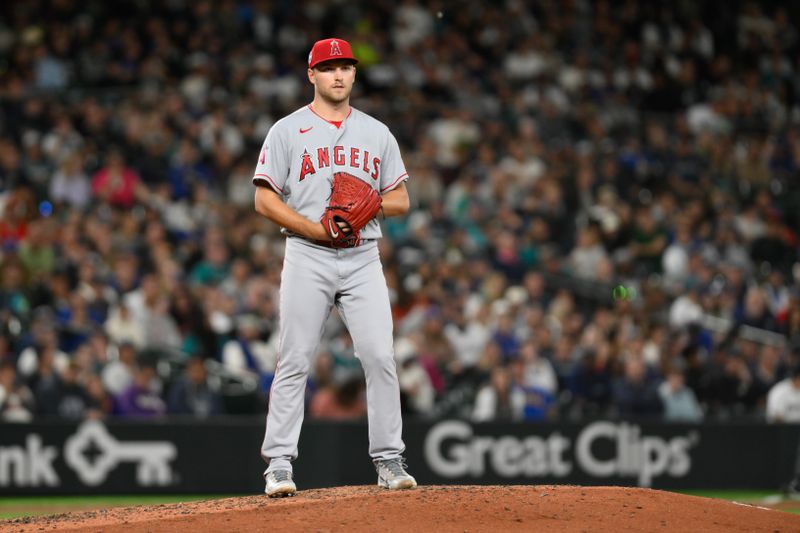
(605,452)
(601,450)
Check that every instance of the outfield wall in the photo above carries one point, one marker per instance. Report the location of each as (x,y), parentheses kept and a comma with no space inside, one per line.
(184,456)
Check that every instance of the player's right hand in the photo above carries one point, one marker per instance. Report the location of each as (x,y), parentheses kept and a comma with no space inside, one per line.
(319,233)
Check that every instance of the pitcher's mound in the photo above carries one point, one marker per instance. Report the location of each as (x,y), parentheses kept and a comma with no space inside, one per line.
(433,508)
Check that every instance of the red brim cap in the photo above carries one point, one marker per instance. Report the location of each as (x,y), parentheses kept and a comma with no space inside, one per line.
(329,49)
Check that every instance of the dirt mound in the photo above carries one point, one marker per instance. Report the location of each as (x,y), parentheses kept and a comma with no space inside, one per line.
(433,508)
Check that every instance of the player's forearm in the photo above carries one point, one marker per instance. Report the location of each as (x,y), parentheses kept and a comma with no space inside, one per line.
(269,205)
(395,202)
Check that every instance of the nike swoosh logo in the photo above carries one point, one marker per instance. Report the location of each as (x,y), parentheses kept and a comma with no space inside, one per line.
(334,232)
(306,130)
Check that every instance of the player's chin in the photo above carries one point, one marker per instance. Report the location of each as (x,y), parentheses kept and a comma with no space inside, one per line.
(337,98)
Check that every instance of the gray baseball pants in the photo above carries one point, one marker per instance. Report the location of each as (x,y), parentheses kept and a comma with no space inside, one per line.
(313,280)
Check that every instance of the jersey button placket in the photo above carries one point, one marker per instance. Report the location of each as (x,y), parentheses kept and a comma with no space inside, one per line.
(341,253)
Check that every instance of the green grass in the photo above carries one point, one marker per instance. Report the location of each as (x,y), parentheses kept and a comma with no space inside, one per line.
(755,497)
(17,507)
(737,495)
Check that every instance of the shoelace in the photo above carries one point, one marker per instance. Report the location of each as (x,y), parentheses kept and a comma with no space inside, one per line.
(396,467)
(281,475)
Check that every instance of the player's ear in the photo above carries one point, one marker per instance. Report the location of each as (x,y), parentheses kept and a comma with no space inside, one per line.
(311,76)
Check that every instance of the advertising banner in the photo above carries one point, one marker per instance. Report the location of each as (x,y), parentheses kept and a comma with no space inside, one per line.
(186,456)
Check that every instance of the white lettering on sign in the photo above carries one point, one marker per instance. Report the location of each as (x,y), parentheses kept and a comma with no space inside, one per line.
(452,450)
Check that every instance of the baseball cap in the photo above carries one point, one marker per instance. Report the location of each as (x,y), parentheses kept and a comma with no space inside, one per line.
(328,49)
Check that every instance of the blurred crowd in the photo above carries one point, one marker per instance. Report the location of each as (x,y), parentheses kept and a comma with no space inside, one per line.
(605,204)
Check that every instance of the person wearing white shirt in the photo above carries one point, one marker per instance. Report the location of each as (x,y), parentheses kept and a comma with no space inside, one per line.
(248,354)
(783,406)
(500,399)
(783,400)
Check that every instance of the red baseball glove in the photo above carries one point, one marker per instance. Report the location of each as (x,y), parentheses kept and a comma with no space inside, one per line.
(353,203)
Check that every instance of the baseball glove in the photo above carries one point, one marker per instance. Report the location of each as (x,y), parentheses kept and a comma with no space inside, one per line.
(354,203)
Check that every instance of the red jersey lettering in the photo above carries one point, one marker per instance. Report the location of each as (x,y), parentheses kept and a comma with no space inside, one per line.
(365,161)
(338,155)
(323,157)
(354,157)
(376,165)
(307,167)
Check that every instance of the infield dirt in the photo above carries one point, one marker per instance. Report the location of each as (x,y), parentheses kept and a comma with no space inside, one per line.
(433,508)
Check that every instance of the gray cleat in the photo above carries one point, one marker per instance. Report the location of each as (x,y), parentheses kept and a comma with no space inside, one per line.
(392,474)
(279,484)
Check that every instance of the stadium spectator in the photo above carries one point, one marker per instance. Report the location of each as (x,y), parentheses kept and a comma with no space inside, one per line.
(783,407)
(44,340)
(575,162)
(74,401)
(193,394)
(143,397)
(783,400)
(17,403)
(116,183)
(101,403)
(417,394)
(70,185)
(679,401)
(635,393)
(247,353)
(121,327)
(117,375)
(499,399)
(341,398)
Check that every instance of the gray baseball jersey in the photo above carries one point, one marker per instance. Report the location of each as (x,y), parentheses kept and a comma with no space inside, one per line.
(303,150)
(298,159)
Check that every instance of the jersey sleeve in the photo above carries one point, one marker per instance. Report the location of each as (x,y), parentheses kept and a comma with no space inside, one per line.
(272,169)
(393,170)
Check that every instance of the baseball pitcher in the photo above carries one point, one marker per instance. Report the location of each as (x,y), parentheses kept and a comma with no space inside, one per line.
(324,173)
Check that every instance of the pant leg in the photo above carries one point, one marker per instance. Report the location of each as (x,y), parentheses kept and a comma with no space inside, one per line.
(306,298)
(364,305)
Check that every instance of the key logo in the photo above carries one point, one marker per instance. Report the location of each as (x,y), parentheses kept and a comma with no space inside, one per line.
(152,459)
(335,50)
(306,130)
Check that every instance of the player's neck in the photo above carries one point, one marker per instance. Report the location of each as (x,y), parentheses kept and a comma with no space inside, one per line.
(330,111)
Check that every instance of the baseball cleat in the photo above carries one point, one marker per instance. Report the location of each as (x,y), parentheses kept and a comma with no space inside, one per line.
(279,484)
(392,474)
